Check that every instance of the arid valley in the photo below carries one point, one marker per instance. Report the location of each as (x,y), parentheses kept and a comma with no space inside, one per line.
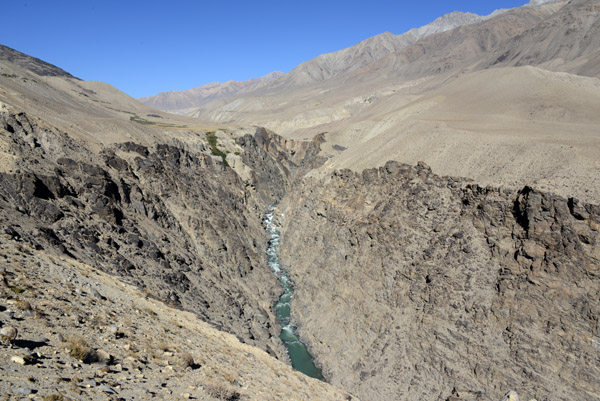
(414,217)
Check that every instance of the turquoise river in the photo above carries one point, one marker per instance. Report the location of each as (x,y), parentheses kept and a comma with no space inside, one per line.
(301,360)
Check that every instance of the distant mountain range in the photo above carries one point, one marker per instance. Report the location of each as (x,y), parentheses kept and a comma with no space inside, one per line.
(366,53)
(177,100)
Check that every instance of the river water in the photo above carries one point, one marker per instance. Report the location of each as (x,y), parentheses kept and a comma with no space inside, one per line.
(302,361)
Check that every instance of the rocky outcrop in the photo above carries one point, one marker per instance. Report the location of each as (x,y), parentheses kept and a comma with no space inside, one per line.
(414,286)
(277,162)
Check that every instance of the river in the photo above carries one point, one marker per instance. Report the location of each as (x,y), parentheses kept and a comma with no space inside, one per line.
(301,360)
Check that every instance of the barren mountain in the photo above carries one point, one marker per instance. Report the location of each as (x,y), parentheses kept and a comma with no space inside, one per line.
(178,100)
(568,40)
(32,64)
(385,62)
(321,68)
(412,286)
(443,24)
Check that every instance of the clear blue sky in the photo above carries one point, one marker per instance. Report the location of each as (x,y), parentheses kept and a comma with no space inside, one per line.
(147,47)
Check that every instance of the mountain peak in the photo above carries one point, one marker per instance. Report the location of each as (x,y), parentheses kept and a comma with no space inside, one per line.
(540,2)
(444,23)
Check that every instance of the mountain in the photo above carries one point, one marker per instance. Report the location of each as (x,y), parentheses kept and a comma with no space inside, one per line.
(330,66)
(444,23)
(178,100)
(540,2)
(568,40)
(384,61)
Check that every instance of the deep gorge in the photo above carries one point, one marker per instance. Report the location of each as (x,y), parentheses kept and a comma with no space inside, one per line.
(408,285)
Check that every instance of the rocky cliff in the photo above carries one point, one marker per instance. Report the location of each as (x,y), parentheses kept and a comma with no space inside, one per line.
(414,286)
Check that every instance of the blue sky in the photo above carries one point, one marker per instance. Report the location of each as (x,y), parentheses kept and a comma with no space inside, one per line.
(147,47)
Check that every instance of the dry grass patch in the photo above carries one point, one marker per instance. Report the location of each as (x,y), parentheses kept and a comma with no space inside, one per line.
(22,304)
(221,390)
(55,397)
(79,349)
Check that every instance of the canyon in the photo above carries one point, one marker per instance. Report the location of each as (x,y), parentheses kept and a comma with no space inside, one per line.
(432,198)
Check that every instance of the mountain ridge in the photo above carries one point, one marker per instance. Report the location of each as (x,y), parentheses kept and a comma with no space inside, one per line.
(325,66)
(176,100)
(32,64)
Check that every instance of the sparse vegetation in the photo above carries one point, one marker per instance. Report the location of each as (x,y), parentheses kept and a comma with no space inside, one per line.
(221,390)
(23,305)
(78,349)
(141,120)
(211,137)
(17,289)
(187,360)
(163,346)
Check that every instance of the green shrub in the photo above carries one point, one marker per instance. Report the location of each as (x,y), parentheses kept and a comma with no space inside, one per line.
(211,137)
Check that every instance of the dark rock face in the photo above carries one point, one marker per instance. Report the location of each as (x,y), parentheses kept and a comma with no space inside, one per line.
(276,161)
(414,286)
(172,221)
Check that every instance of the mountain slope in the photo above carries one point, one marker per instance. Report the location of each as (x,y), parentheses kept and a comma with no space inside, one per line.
(568,41)
(31,64)
(97,338)
(177,100)
(414,286)
(504,126)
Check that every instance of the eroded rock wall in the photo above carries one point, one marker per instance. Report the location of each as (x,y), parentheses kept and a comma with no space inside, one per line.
(414,286)
(166,218)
